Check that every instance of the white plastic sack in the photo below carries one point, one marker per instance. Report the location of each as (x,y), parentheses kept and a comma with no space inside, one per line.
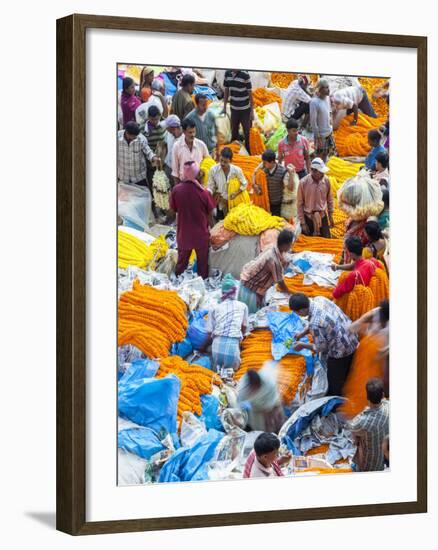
(361,196)
(131,468)
(192,429)
(135,204)
(319,382)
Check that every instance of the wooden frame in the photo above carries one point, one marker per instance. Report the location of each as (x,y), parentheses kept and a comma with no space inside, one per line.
(71,270)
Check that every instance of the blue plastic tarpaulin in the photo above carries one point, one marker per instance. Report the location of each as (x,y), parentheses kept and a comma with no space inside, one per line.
(143,442)
(210,412)
(189,463)
(302,418)
(283,326)
(183,349)
(140,368)
(151,402)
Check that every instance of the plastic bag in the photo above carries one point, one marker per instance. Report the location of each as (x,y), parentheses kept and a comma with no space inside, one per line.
(143,442)
(276,137)
(220,236)
(151,402)
(135,205)
(183,349)
(197,331)
(319,386)
(189,464)
(201,360)
(361,196)
(130,468)
(192,429)
(210,412)
(284,327)
(141,368)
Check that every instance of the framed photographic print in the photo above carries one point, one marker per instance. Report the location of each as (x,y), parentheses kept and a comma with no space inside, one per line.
(227,256)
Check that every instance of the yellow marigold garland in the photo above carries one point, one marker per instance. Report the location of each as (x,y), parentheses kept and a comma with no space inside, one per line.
(133,251)
(247,219)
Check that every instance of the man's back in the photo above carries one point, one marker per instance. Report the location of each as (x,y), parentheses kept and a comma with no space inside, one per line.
(371,426)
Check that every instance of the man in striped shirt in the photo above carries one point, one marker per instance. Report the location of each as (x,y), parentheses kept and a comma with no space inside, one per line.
(238,92)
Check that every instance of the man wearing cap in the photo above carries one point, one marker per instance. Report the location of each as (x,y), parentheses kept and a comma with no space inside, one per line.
(297,99)
(320,120)
(226,324)
(315,201)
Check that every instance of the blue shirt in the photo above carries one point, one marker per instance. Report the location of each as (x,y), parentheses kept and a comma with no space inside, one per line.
(370,161)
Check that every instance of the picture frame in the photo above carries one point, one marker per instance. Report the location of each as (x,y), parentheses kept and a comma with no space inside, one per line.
(72,268)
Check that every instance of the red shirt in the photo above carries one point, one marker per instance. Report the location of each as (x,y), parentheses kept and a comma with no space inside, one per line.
(362,272)
(294,152)
(193,204)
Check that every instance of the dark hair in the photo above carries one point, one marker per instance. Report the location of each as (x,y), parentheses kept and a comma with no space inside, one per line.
(291,123)
(253,378)
(127,81)
(285,237)
(354,245)
(384,312)
(132,128)
(198,98)
(268,155)
(227,153)
(375,390)
(266,443)
(298,301)
(383,158)
(385,197)
(153,111)
(187,123)
(374,135)
(372,229)
(187,79)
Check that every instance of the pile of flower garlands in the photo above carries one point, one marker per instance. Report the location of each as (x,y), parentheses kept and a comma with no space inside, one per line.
(151,319)
(352,141)
(133,251)
(364,298)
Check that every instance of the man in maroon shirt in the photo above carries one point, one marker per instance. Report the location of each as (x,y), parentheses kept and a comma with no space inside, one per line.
(194,206)
(361,269)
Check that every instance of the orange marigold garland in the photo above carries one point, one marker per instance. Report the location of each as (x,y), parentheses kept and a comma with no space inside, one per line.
(295,284)
(319,244)
(262,97)
(151,319)
(353,140)
(263,199)
(366,365)
(256,350)
(256,143)
(195,381)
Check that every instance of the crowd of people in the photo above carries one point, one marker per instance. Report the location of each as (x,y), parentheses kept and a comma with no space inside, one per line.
(176,134)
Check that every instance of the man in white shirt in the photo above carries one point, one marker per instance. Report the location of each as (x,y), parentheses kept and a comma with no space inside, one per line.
(296,99)
(218,179)
(351,100)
